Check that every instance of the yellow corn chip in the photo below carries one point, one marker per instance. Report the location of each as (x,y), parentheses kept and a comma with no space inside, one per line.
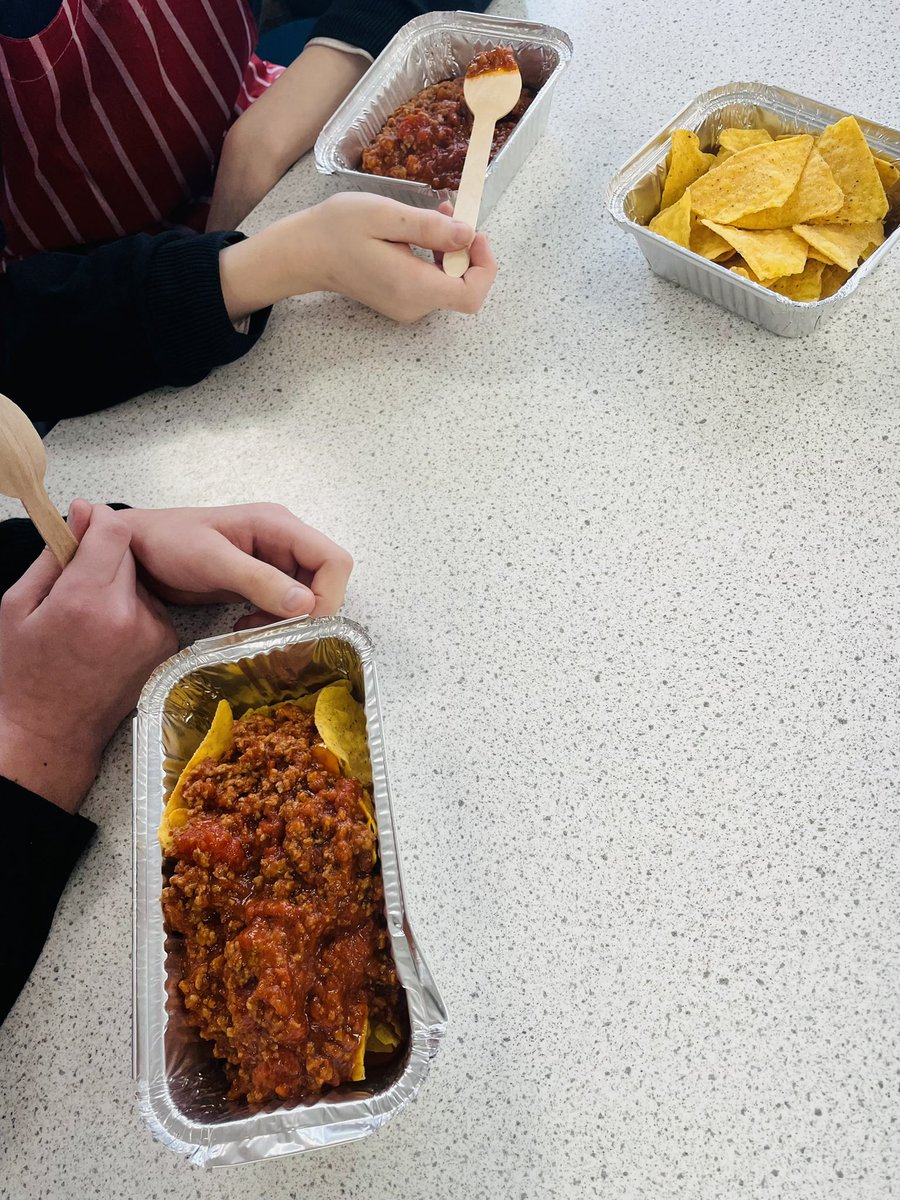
(847,153)
(341,721)
(734,140)
(674,222)
(818,256)
(816,195)
(687,162)
(833,279)
(759,177)
(741,268)
(708,244)
(805,287)
(769,253)
(358,1069)
(887,173)
(842,244)
(214,745)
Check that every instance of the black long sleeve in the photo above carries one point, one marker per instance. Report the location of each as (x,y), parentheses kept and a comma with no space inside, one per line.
(43,844)
(368,24)
(82,331)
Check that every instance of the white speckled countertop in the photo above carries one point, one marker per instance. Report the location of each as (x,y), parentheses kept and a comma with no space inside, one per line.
(632,568)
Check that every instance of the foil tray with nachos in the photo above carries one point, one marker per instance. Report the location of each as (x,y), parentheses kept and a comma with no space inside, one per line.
(281,1003)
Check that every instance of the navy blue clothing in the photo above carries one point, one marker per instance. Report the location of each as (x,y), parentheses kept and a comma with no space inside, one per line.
(28,18)
(82,331)
(367,24)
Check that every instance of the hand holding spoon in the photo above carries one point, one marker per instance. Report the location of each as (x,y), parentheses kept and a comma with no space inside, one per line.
(23,464)
(492,88)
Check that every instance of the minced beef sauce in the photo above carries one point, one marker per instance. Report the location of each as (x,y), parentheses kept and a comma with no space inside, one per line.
(279,901)
(426,138)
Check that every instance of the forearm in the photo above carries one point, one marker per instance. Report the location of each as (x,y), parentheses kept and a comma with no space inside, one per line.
(37,761)
(273,264)
(279,128)
(79,332)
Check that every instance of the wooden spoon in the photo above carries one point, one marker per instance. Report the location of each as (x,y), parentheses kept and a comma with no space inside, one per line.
(490,94)
(23,464)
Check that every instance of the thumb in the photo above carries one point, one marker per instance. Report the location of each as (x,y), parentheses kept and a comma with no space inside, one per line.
(79,517)
(258,582)
(427,228)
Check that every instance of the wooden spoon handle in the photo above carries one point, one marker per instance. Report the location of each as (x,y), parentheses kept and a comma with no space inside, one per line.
(50,525)
(471,185)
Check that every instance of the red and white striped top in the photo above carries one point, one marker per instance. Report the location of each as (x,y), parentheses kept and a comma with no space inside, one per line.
(112,119)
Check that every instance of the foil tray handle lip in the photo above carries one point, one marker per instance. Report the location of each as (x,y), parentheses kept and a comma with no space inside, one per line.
(252,641)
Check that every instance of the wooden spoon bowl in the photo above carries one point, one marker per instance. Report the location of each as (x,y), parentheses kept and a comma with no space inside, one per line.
(23,464)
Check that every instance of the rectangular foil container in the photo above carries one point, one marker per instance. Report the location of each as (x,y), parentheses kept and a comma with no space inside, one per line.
(181,1087)
(634,194)
(429,49)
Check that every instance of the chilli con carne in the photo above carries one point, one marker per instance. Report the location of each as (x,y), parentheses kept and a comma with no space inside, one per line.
(276,893)
(426,138)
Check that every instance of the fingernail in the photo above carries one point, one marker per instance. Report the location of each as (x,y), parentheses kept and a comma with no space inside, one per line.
(297,600)
(462,233)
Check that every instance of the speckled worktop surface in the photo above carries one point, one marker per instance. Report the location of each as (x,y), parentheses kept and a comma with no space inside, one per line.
(632,568)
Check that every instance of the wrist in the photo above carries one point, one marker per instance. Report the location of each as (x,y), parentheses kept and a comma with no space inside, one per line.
(47,765)
(268,267)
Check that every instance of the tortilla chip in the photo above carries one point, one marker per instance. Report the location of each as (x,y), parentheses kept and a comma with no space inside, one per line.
(847,152)
(687,162)
(214,745)
(708,244)
(341,721)
(842,244)
(769,253)
(741,268)
(358,1070)
(818,256)
(833,279)
(887,173)
(805,287)
(674,222)
(816,195)
(382,1039)
(759,177)
(735,140)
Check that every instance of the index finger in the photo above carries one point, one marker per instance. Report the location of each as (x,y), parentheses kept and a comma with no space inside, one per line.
(327,562)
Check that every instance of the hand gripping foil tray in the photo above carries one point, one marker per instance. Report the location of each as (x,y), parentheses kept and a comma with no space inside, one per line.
(634,193)
(181,1087)
(428,50)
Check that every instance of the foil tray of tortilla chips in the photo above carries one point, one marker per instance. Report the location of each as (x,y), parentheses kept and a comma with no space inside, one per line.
(181,1087)
(431,48)
(636,193)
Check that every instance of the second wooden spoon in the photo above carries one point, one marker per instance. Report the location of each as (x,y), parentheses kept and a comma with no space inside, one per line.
(23,464)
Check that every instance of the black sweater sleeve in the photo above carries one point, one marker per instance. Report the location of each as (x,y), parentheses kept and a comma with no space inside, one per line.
(43,845)
(79,332)
(369,24)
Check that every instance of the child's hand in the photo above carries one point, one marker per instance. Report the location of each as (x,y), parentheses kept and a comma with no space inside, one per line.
(256,552)
(359,246)
(76,647)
